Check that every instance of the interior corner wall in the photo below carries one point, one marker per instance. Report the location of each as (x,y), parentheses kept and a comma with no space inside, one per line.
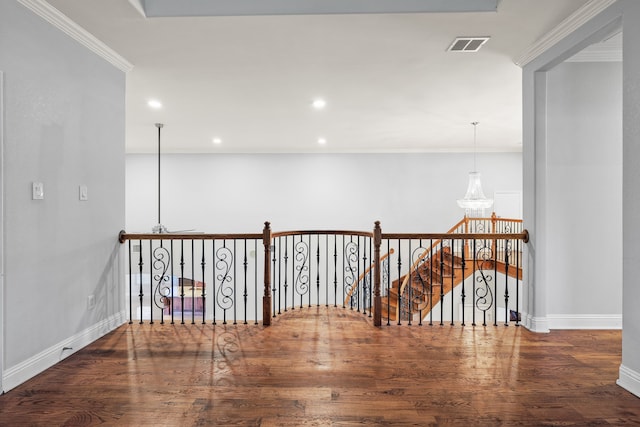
(630,366)
(236,193)
(584,195)
(64,126)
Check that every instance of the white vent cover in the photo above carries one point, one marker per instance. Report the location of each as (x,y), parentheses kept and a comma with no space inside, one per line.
(467,44)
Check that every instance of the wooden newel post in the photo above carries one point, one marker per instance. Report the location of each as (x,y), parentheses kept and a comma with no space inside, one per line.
(266,299)
(377,299)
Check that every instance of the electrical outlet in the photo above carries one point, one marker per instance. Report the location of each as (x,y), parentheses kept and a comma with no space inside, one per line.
(91,301)
(37,191)
(83,193)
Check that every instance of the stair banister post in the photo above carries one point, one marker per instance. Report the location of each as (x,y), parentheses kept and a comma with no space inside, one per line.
(266,299)
(377,299)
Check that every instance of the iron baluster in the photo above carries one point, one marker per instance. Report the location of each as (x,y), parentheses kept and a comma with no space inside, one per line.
(181,281)
(388,270)
(431,282)
(506,282)
(464,272)
(453,275)
(441,280)
(235,283)
(399,308)
(409,291)
(286,259)
(317,272)
(140,291)
(274,289)
(255,270)
(171,304)
(204,301)
(214,294)
(193,284)
(246,292)
(130,287)
(335,271)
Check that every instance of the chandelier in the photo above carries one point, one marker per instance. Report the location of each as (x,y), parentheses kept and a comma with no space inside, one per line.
(474,202)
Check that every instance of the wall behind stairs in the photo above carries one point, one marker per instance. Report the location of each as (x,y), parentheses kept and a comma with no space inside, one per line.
(238,192)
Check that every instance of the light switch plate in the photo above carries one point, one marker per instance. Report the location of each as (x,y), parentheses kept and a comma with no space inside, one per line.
(83,193)
(37,190)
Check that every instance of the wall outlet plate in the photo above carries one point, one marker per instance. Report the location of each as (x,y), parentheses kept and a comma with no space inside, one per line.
(83,193)
(37,190)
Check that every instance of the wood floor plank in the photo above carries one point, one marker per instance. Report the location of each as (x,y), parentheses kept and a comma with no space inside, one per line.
(330,367)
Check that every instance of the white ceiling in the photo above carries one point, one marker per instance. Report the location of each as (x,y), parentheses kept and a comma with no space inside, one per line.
(389,83)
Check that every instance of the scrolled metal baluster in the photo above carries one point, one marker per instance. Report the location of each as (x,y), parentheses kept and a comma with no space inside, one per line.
(171,303)
(483,293)
(182,281)
(350,269)
(507,251)
(302,269)
(213,281)
(223,264)
(160,264)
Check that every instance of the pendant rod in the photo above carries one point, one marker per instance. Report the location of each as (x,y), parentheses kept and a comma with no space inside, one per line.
(475,124)
(159,126)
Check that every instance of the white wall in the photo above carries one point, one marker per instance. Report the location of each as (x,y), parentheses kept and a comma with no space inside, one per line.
(237,193)
(584,199)
(625,13)
(64,126)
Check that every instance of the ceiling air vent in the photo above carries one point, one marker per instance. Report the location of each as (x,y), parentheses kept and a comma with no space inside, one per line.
(467,44)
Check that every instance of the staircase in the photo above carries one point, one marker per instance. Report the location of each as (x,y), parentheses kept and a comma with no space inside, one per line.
(436,273)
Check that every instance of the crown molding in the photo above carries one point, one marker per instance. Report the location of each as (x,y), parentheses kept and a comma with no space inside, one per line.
(566,27)
(76,32)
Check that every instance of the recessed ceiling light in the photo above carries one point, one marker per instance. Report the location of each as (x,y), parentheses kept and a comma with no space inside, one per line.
(319,103)
(322,141)
(155,104)
(216,140)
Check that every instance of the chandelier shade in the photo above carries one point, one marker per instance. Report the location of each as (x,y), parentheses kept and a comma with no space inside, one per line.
(475,198)
(474,201)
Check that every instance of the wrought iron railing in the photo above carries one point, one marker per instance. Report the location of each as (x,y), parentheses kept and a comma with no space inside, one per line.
(245,278)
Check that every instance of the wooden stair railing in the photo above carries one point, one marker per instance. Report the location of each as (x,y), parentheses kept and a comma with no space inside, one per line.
(414,292)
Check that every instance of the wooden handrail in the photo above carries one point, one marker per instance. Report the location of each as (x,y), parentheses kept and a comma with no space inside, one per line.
(367,270)
(124,236)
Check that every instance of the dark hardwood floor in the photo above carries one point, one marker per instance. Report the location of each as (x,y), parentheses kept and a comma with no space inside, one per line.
(327,366)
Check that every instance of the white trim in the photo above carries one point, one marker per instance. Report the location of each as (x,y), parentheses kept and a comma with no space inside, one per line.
(137,5)
(629,380)
(566,27)
(585,321)
(2,295)
(31,367)
(536,324)
(76,32)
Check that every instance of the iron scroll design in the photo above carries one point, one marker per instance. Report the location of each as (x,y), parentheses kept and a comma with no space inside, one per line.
(301,258)
(160,265)
(351,250)
(225,294)
(484,298)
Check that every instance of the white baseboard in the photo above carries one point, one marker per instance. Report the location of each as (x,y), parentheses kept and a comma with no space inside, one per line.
(629,380)
(536,324)
(585,321)
(42,361)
